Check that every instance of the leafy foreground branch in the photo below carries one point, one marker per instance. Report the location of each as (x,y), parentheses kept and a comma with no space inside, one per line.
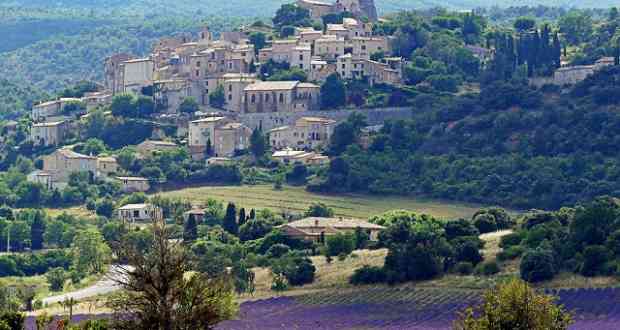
(515,305)
(161,293)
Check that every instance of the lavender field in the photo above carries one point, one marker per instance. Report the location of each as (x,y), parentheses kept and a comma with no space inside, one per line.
(416,309)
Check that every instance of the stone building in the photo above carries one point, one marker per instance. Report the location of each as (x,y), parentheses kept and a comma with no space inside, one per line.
(62,162)
(139,212)
(149,147)
(359,8)
(48,133)
(169,94)
(137,73)
(316,229)
(231,138)
(281,96)
(113,72)
(133,184)
(329,47)
(106,166)
(225,137)
(45,110)
(308,133)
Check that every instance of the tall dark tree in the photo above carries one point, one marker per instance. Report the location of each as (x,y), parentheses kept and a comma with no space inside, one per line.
(333,92)
(37,229)
(258,144)
(190,230)
(252,214)
(209,148)
(242,217)
(230,219)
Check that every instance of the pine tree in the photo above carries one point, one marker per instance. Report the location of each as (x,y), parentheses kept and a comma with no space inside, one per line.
(190,231)
(36,231)
(230,219)
(252,214)
(242,217)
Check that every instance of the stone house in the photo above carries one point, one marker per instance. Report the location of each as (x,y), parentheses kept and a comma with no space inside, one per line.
(307,133)
(316,229)
(290,156)
(139,212)
(106,166)
(96,99)
(364,47)
(43,178)
(308,35)
(230,138)
(388,71)
(133,184)
(48,134)
(148,147)
(55,108)
(329,47)
(320,70)
(62,162)
(317,9)
(234,85)
(113,72)
(137,73)
(169,94)
(226,137)
(281,96)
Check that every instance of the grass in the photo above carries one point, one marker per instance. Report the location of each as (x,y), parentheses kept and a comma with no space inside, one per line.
(297,199)
(78,211)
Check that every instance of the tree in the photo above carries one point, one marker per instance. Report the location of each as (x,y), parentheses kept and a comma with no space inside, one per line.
(217,99)
(105,207)
(333,92)
(319,210)
(523,24)
(56,278)
(576,26)
(252,214)
(159,292)
(254,229)
(291,14)
(123,105)
(190,230)
(537,265)
(37,229)
(258,144)
(189,105)
(209,148)
(361,238)
(242,217)
(515,305)
(339,244)
(230,219)
(95,124)
(145,106)
(258,39)
(90,252)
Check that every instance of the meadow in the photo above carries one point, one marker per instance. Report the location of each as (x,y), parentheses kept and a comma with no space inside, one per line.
(297,199)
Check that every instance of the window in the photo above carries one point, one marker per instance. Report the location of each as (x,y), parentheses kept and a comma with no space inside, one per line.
(136,214)
(197,73)
(267,98)
(253,98)
(281,98)
(301,57)
(363,47)
(301,65)
(198,64)
(230,88)
(344,66)
(229,97)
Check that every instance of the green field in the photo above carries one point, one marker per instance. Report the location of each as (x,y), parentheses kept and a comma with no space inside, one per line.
(296,199)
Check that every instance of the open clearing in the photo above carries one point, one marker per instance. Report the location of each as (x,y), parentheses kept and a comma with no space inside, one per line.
(297,199)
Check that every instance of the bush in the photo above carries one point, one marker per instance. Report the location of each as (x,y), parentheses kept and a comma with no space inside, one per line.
(468,250)
(488,268)
(537,265)
(511,253)
(511,239)
(464,268)
(278,250)
(339,244)
(56,279)
(302,274)
(594,259)
(14,321)
(485,223)
(368,275)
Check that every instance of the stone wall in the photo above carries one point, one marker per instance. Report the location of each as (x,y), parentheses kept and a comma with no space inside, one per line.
(267,120)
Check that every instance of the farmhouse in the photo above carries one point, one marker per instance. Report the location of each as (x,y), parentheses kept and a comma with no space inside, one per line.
(288,155)
(139,212)
(43,111)
(315,228)
(106,166)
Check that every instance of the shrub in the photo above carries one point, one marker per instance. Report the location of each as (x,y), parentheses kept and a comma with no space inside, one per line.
(511,240)
(13,320)
(485,223)
(302,274)
(278,250)
(537,265)
(511,253)
(488,268)
(468,250)
(367,275)
(464,268)
(340,243)
(594,259)
(56,279)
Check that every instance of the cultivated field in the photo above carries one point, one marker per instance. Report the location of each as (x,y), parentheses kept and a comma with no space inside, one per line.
(296,199)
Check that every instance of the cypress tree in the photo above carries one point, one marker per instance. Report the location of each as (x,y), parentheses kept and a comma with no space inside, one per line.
(36,231)
(230,219)
(190,230)
(242,217)
(209,148)
(252,214)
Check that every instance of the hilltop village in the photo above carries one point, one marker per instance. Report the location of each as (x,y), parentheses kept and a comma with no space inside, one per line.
(226,83)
